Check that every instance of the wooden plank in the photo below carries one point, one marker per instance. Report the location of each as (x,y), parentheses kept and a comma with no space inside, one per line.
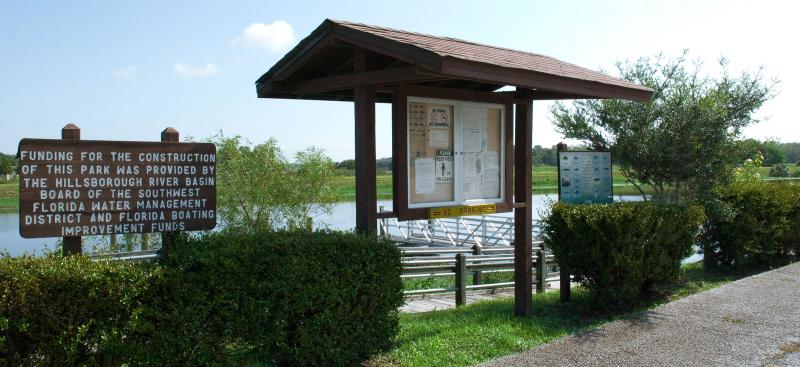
(348,81)
(523,296)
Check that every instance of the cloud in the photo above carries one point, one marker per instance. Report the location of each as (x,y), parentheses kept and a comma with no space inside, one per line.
(125,73)
(275,36)
(191,71)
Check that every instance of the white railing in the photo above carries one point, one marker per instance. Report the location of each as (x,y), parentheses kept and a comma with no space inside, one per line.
(485,230)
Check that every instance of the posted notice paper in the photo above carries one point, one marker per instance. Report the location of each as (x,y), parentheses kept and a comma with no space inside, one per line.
(425,176)
(491,175)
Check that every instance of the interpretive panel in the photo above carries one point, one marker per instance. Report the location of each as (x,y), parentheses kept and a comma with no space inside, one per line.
(585,177)
(86,188)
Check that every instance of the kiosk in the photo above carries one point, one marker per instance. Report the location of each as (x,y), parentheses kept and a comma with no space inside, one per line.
(456,136)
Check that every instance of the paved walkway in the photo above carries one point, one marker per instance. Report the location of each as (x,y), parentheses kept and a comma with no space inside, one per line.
(751,322)
(448,300)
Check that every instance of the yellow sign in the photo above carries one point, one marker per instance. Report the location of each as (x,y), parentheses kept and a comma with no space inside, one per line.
(460,211)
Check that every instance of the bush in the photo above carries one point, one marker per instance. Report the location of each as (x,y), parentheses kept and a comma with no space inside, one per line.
(68,311)
(619,251)
(282,298)
(752,223)
(779,170)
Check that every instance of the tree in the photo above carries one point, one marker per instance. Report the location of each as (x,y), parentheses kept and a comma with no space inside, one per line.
(6,164)
(773,153)
(258,189)
(682,141)
(791,151)
(544,156)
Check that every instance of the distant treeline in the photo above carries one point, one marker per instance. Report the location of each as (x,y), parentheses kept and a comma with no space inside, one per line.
(774,152)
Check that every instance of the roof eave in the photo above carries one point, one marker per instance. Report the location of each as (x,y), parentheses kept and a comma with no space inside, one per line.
(472,70)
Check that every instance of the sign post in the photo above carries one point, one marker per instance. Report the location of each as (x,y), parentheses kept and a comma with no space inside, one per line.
(167,238)
(71,245)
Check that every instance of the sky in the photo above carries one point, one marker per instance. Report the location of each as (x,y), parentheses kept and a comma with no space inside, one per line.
(126,70)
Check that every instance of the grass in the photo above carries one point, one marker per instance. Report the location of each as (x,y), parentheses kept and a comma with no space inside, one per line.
(9,196)
(482,331)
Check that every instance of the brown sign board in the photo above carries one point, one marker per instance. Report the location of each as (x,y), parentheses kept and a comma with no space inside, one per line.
(87,188)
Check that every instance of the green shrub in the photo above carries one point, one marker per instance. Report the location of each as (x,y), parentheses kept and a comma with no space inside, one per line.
(779,170)
(752,223)
(68,311)
(619,251)
(281,298)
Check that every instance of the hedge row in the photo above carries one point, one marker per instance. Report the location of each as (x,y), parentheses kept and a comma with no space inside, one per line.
(752,223)
(282,298)
(619,251)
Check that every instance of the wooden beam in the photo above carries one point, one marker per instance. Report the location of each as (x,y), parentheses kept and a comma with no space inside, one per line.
(348,81)
(543,95)
(523,274)
(464,69)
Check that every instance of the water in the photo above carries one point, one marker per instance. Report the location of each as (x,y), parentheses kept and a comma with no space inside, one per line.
(342,217)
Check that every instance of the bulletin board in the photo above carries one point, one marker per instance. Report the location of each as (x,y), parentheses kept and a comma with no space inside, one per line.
(452,150)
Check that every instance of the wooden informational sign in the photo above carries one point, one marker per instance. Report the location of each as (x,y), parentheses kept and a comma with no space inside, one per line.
(454,153)
(585,177)
(87,188)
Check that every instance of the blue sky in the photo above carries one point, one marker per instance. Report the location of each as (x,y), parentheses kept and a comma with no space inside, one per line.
(125,70)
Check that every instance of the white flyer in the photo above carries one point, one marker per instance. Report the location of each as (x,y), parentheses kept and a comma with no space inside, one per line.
(491,175)
(425,176)
(473,130)
(439,138)
(471,176)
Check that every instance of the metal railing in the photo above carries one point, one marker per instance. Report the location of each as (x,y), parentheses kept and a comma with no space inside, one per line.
(461,262)
(486,230)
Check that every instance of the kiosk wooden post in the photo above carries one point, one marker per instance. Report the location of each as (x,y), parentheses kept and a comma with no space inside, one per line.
(563,271)
(169,135)
(523,214)
(366,194)
(71,245)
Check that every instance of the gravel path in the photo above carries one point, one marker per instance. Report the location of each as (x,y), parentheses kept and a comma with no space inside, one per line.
(751,322)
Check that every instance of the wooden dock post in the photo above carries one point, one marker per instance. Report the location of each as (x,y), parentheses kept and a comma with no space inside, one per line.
(476,276)
(72,245)
(461,279)
(541,265)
